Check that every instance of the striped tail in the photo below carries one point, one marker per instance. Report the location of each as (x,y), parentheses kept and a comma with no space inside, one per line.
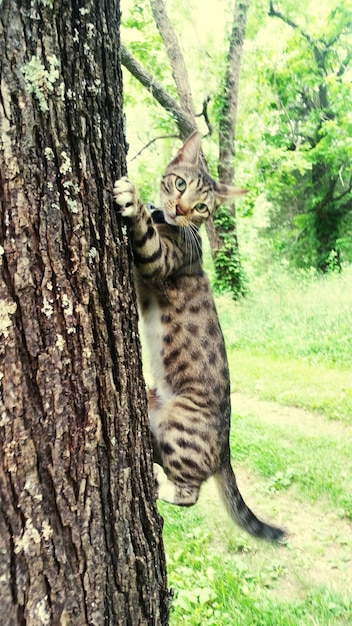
(239,510)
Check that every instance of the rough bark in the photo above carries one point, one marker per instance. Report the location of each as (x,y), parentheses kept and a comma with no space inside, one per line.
(80,537)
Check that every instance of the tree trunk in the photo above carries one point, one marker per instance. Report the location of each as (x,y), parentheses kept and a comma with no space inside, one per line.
(228,114)
(80,537)
(228,265)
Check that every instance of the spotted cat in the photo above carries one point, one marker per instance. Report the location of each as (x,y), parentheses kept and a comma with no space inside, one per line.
(189,403)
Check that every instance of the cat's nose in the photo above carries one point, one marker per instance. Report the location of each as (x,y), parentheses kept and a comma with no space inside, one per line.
(179,210)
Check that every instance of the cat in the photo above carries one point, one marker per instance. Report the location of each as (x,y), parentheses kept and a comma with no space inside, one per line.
(189,404)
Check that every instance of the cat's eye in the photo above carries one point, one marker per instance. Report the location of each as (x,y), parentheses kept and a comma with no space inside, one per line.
(180,184)
(201,208)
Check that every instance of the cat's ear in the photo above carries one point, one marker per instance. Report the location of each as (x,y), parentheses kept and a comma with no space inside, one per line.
(189,153)
(227,191)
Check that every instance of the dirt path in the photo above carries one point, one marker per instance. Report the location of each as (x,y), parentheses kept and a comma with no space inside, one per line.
(319,546)
(310,424)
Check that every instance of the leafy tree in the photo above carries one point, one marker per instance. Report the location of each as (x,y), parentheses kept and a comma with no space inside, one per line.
(80,537)
(307,165)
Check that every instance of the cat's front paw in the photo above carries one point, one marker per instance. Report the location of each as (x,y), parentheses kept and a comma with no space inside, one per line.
(126,197)
(164,488)
(160,478)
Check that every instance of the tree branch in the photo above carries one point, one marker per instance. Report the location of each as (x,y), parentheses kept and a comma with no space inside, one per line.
(346,192)
(274,13)
(345,64)
(184,122)
(153,141)
(204,114)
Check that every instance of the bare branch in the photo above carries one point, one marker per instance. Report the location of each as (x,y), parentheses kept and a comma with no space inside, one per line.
(147,145)
(183,121)
(204,114)
(274,13)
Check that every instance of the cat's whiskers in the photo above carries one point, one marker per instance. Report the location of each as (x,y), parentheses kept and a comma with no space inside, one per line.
(189,244)
(183,238)
(196,246)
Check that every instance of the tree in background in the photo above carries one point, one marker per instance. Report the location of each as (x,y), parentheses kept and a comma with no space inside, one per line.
(223,237)
(80,537)
(228,267)
(307,166)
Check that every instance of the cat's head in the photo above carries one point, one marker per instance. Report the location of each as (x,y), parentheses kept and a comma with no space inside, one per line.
(188,193)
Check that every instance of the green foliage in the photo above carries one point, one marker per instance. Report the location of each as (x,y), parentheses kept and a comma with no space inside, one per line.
(282,480)
(221,584)
(229,275)
(306,167)
(263,448)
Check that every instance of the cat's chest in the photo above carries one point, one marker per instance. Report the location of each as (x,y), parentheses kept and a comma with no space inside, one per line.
(152,331)
(181,337)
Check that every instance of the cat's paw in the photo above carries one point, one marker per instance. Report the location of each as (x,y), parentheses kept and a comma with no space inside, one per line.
(164,488)
(159,478)
(126,197)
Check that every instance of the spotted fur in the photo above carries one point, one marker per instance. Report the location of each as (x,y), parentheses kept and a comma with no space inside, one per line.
(189,401)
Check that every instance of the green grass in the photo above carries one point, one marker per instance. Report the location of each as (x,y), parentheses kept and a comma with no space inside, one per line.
(294,317)
(285,457)
(224,590)
(320,387)
(289,342)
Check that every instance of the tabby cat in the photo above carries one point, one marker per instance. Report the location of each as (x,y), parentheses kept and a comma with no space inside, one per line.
(189,404)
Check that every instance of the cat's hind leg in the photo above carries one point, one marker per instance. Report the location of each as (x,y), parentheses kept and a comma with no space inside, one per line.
(182,438)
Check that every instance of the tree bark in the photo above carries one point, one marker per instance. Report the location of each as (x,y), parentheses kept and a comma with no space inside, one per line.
(80,537)
(227,258)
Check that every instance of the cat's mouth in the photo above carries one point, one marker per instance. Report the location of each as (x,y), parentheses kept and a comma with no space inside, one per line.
(177,220)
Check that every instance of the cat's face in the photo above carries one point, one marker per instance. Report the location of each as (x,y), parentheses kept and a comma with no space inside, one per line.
(186,196)
(188,193)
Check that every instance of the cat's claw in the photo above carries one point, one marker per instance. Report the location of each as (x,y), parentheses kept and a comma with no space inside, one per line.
(126,197)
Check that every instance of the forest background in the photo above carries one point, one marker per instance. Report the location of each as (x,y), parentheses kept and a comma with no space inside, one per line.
(293,148)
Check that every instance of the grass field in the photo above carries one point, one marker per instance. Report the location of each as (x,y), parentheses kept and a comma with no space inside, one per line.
(289,347)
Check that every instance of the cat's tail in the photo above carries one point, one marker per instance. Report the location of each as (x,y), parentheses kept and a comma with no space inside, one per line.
(239,510)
